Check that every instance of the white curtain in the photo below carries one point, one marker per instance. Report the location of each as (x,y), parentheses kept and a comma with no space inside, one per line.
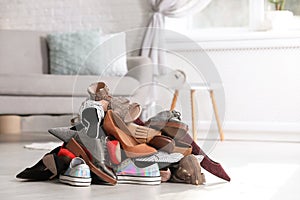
(154,38)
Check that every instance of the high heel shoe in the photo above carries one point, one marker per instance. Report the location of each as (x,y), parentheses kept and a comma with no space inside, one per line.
(112,126)
(141,134)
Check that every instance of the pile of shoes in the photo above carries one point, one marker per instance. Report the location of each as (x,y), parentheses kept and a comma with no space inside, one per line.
(110,144)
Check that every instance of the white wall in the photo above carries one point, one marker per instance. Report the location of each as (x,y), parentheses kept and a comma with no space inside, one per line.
(261,79)
(72,15)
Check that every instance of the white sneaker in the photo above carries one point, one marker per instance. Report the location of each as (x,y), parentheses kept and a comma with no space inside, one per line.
(78,173)
(128,172)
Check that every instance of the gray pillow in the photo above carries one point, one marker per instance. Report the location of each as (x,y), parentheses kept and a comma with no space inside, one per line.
(87,53)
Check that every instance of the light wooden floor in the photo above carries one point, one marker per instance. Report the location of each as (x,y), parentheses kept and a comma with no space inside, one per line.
(259,170)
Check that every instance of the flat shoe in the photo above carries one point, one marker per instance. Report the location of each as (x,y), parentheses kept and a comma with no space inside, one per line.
(162,143)
(169,123)
(49,167)
(183,148)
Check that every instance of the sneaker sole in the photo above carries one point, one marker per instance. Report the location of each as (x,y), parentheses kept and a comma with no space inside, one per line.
(91,120)
(75,181)
(144,180)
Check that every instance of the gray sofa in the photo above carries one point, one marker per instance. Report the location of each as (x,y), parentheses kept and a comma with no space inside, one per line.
(28,90)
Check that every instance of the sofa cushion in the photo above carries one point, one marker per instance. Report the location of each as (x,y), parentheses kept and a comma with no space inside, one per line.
(28,105)
(61,85)
(23,52)
(87,53)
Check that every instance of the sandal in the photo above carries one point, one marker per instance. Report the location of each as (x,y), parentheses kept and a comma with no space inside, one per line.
(99,91)
(128,112)
(114,126)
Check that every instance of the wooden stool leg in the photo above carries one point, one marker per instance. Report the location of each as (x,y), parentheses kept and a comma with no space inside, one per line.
(174,101)
(212,96)
(193,115)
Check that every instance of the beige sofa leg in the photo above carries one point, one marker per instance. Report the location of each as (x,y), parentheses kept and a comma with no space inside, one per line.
(10,124)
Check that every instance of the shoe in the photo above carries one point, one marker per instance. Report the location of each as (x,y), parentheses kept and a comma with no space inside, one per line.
(167,144)
(214,168)
(169,123)
(78,173)
(207,163)
(92,150)
(91,113)
(142,134)
(91,119)
(114,151)
(113,127)
(162,143)
(49,167)
(189,171)
(99,91)
(128,172)
(182,147)
(65,134)
(163,159)
(165,174)
(97,162)
(128,112)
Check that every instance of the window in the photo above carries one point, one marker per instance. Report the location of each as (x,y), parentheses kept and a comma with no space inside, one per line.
(228,14)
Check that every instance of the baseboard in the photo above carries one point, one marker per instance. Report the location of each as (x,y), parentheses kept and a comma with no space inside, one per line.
(258,131)
(251,126)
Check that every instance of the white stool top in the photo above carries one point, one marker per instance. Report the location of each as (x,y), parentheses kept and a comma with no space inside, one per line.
(201,86)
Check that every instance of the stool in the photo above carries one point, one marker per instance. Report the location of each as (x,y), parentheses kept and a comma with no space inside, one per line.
(193,88)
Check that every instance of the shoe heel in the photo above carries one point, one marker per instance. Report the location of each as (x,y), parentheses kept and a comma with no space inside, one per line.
(49,162)
(76,149)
